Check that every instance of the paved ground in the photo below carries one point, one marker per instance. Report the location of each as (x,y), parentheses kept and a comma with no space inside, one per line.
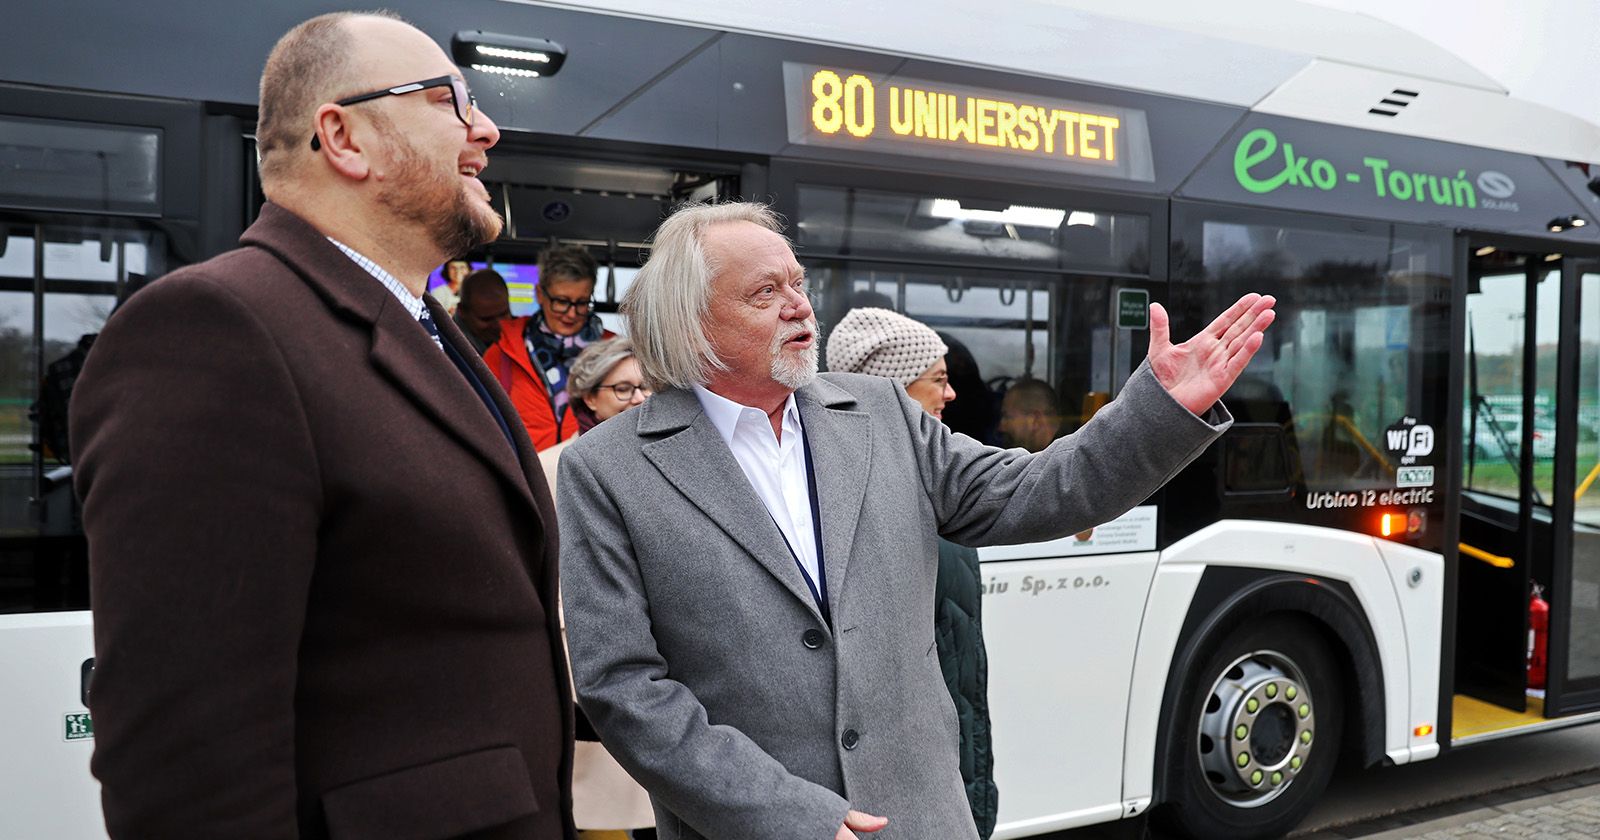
(1565,809)
(1461,777)
(1545,785)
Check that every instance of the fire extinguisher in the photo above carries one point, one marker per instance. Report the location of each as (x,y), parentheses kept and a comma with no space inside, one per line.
(1538,636)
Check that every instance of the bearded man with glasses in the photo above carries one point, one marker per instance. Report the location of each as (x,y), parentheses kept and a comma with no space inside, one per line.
(535,353)
(290,640)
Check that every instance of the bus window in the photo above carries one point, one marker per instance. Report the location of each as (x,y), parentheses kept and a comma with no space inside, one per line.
(58,284)
(1022,294)
(1354,370)
(865,223)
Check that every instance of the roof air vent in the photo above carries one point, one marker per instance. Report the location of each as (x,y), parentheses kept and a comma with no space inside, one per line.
(1391,105)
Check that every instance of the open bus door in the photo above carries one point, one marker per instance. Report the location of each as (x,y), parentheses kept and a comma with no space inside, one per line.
(1530,511)
(1574,665)
(1500,494)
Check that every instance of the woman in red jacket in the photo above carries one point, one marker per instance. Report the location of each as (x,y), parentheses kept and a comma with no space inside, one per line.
(534,352)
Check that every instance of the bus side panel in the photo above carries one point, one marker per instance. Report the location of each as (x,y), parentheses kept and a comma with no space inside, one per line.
(1159,638)
(1301,549)
(1060,634)
(1418,580)
(45,735)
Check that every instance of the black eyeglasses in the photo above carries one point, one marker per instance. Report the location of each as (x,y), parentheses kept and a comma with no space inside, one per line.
(562,306)
(623,390)
(465,104)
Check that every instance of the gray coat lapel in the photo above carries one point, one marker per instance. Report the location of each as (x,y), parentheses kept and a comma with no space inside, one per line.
(841,450)
(693,456)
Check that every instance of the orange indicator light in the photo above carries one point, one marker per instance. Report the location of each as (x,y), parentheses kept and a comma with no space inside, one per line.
(1423,731)
(1387,528)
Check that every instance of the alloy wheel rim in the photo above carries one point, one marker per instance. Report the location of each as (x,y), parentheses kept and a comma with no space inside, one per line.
(1256,730)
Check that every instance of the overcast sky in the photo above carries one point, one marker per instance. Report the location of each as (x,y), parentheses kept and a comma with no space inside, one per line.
(1544,51)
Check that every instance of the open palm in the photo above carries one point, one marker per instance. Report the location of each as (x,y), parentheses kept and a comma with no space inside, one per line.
(1197,372)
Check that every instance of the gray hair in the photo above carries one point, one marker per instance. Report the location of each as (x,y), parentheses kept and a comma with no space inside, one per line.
(667,304)
(592,365)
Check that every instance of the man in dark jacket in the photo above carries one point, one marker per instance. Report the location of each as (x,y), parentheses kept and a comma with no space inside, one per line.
(291,640)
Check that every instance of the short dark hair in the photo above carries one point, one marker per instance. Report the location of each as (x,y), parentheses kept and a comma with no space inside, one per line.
(481,281)
(567,262)
(1034,395)
(310,65)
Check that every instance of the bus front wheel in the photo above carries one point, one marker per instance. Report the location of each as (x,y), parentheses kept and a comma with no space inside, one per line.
(1258,732)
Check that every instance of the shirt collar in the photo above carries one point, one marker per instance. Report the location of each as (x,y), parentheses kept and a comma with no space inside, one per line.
(411,302)
(725,414)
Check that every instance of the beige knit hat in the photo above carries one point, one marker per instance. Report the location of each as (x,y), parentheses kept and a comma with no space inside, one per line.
(881,342)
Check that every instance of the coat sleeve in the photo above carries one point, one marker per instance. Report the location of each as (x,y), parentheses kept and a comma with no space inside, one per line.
(711,776)
(987,496)
(201,503)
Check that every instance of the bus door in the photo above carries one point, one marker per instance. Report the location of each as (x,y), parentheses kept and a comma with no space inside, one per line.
(553,197)
(100,195)
(1574,596)
(1526,435)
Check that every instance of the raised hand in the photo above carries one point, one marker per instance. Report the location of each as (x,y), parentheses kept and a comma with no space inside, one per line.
(1197,372)
(859,822)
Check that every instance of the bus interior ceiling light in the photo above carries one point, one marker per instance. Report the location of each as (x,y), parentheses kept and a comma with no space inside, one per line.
(1015,214)
(1561,223)
(507,55)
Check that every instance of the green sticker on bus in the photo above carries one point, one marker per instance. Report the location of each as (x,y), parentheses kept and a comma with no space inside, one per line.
(1133,309)
(78,726)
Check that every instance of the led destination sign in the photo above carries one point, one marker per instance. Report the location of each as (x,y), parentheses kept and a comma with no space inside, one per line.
(842,108)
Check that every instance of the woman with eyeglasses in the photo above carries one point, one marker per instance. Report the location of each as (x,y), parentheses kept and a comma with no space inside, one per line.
(882,342)
(534,355)
(605,380)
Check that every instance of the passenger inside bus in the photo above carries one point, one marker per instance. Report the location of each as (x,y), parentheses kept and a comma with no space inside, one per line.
(533,353)
(1030,415)
(485,303)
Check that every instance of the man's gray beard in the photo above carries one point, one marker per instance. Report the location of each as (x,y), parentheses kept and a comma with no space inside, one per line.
(795,372)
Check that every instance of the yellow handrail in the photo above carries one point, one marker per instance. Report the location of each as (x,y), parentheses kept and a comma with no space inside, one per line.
(1584,487)
(1494,560)
(1377,454)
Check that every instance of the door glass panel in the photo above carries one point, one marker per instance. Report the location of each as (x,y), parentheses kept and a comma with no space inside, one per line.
(59,165)
(43,565)
(1492,416)
(1583,659)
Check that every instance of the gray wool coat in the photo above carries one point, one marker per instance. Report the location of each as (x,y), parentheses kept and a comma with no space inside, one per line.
(700,655)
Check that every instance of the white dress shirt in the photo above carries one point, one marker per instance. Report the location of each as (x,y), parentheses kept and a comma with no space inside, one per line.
(413,303)
(776,469)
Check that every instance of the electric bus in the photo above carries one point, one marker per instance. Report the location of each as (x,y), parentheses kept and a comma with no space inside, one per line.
(1347,575)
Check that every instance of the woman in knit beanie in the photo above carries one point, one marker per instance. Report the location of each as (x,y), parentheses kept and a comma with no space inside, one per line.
(881,342)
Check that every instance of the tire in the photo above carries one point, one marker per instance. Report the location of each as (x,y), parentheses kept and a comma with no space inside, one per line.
(1274,681)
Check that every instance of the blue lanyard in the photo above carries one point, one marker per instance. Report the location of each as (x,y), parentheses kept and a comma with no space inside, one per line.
(819,587)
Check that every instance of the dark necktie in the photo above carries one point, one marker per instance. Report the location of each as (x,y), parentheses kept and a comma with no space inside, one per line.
(426,319)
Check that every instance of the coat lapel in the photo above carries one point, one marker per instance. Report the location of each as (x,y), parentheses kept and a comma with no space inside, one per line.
(841,453)
(694,457)
(401,350)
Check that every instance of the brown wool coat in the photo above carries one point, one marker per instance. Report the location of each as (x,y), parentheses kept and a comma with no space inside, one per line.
(324,585)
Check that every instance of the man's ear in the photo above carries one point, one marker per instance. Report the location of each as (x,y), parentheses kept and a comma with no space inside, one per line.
(340,148)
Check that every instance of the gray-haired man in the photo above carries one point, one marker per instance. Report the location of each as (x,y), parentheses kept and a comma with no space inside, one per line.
(749,557)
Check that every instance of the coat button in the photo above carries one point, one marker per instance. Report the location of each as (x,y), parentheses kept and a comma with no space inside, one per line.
(812,639)
(850,739)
